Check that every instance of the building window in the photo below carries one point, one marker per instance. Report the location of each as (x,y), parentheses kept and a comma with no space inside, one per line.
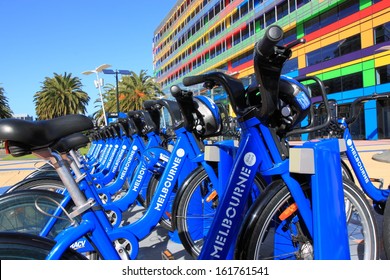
(289,36)
(270,17)
(341,11)
(290,66)
(383,117)
(282,10)
(344,83)
(382,33)
(334,50)
(348,8)
(244,9)
(383,75)
(358,128)
(241,59)
(312,25)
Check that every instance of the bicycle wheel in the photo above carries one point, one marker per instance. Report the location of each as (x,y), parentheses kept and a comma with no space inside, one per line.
(19,212)
(17,246)
(264,229)
(196,208)
(386,229)
(38,184)
(346,171)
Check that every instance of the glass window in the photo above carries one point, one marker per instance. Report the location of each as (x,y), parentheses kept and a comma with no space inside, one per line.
(289,36)
(383,117)
(383,75)
(257,2)
(314,57)
(382,33)
(352,81)
(358,128)
(350,44)
(282,10)
(312,25)
(245,57)
(235,16)
(217,8)
(244,9)
(348,8)
(292,5)
(337,49)
(290,65)
(329,17)
(333,85)
(300,3)
(236,38)
(245,33)
(270,17)
(259,23)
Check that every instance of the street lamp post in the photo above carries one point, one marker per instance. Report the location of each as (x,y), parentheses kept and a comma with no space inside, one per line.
(116,73)
(99,84)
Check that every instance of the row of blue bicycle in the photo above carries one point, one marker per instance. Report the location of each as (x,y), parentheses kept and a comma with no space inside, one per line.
(255,197)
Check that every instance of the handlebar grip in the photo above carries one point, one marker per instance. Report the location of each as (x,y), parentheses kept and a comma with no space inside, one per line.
(271,37)
(193,80)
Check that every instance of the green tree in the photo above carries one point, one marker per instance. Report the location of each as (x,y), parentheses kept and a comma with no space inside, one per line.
(133,90)
(59,96)
(5,110)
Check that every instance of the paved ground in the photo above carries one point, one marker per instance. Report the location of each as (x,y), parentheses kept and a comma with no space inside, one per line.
(151,247)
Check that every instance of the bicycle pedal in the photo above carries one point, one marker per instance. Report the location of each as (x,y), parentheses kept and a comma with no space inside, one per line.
(167,255)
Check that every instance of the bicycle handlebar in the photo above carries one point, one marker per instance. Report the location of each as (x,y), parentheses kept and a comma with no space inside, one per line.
(272,36)
(355,106)
(234,88)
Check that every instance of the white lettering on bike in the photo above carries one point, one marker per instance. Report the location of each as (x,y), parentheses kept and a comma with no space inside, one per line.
(358,161)
(231,212)
(78,245)
(168,182)
(127,164)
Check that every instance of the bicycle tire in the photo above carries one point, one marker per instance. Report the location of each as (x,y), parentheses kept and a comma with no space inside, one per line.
(386,229)
(346,172)
(192,227)
(261,227)
(18,211)
(22,246)
(38,184)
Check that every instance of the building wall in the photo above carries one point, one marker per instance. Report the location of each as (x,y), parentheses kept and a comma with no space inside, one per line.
(347,46)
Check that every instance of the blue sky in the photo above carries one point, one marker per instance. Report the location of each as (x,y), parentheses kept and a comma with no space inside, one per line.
(42,37)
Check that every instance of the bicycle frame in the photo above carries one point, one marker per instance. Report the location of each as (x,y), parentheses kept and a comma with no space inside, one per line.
(377,195)
(252,156)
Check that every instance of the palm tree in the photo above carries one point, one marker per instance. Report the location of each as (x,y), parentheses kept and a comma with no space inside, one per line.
(133,90)
(59,96)
(5,110)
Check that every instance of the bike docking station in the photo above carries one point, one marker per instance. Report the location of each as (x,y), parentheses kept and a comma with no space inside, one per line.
(321,160)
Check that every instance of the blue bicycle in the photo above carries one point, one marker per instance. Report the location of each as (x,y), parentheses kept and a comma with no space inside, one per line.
(288,220)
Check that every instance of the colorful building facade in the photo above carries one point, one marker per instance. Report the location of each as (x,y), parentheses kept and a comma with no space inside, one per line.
(347,46)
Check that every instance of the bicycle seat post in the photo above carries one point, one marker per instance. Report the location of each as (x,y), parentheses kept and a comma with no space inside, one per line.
(66,177)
